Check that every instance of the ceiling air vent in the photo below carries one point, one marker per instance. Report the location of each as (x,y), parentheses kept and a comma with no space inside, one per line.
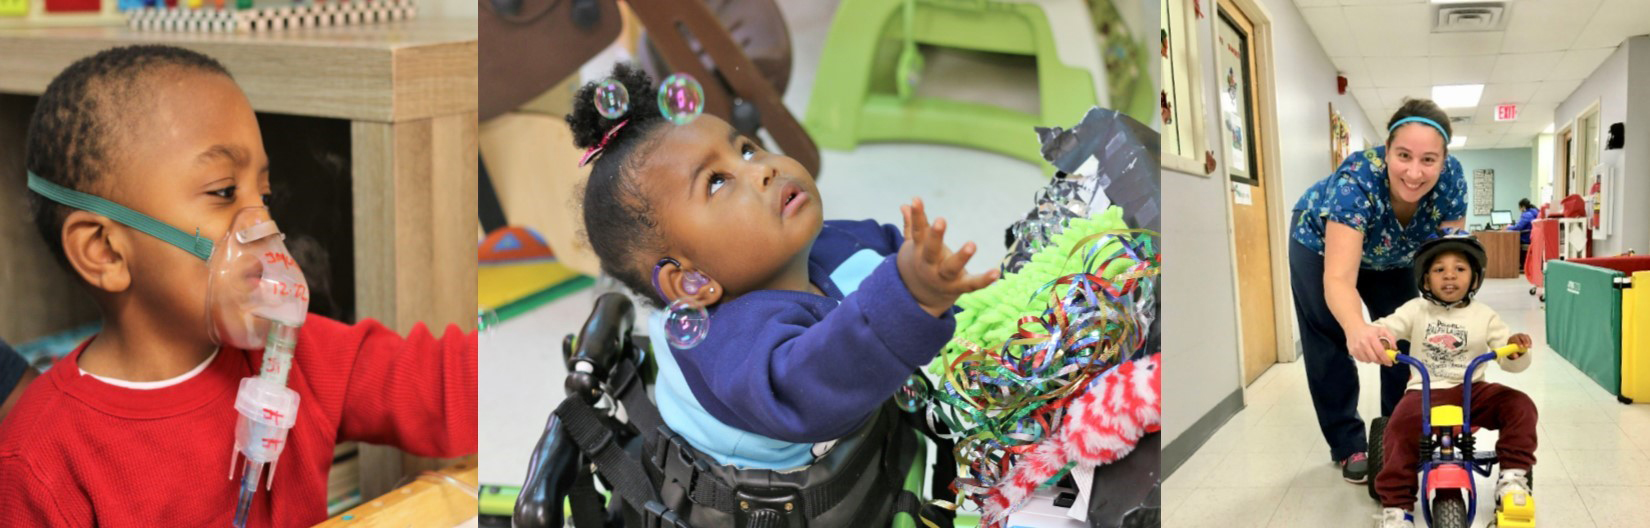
(1455,121)
(1469,16)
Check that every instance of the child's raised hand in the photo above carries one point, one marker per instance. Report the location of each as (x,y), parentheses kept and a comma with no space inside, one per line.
(932,272)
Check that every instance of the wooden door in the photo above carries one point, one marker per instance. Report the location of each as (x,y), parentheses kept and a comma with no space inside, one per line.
(1235,60)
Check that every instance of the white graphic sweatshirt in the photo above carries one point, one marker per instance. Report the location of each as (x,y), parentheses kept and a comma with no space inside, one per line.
(1446,339)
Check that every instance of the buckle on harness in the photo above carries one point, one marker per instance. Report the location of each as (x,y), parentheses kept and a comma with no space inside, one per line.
(656,515)
(775,510)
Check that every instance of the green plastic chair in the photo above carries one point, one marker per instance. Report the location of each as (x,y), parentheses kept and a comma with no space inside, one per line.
(862,90)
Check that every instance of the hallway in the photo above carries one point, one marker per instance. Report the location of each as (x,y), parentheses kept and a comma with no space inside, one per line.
(1269,466)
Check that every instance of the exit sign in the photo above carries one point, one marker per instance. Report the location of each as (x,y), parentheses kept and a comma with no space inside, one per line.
(1506,112)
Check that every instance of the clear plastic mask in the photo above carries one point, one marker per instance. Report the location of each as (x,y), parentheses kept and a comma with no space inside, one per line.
(252,280)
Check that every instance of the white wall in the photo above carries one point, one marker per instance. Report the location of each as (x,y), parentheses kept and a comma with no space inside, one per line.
(1634,219)
(1626,69)
(1199,289)
(1543,176)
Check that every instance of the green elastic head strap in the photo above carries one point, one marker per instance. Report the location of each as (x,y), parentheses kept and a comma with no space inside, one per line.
(195,244)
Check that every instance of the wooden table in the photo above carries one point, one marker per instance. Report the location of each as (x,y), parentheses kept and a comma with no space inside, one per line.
(1501,249)
(443,498)
(407,89)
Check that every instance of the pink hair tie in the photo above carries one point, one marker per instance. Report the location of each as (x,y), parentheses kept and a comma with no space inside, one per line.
(593,151)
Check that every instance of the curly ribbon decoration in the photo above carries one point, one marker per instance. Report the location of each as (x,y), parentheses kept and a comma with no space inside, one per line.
(1002,400)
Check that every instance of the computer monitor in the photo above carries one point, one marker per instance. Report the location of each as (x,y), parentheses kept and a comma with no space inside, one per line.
(1501,218)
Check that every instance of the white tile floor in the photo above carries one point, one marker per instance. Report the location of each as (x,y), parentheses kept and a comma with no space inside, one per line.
(1269,466)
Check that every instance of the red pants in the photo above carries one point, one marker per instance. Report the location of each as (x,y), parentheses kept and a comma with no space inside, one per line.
(1494,406)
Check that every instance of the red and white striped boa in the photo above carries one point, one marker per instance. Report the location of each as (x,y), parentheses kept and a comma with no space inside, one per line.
(1101,426)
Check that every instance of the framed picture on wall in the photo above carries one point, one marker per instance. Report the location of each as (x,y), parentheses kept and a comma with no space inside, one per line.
(1236,100)
(1340,139)
(1483,191)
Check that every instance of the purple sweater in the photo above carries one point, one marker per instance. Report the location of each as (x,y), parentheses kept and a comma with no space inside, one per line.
(801,367)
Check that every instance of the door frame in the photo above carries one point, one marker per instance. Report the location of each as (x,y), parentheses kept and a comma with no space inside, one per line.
(1265,114)
(1580,139)
(1566,158)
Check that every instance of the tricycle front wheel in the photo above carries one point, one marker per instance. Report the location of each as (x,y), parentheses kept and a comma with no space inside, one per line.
(1449,510)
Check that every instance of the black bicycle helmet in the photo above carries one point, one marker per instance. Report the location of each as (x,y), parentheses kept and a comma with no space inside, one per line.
(1459,241)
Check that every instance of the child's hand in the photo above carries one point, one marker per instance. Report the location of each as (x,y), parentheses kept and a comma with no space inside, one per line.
(932,272)
(1522,340)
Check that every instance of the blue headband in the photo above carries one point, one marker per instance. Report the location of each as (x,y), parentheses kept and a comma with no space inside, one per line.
(1423,120)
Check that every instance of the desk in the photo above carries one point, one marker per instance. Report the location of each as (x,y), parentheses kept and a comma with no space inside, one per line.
(407,91)
(1501,249)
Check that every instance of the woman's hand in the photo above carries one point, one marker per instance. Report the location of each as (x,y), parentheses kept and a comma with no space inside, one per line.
(1369,344)
(933,272)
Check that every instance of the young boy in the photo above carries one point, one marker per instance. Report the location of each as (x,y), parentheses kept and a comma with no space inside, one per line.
(136,426)
(1446,331)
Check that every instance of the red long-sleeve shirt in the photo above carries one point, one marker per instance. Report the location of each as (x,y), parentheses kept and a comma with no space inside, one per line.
(78,452)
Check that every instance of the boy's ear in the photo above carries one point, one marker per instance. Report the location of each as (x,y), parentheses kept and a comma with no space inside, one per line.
(97,251)
(675,280)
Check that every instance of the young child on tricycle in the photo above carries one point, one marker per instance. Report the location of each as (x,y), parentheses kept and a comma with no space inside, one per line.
(1452,336)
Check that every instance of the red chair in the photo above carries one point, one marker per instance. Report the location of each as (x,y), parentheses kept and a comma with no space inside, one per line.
(1543,246)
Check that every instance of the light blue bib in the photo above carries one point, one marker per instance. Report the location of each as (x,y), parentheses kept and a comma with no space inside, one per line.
(728,445)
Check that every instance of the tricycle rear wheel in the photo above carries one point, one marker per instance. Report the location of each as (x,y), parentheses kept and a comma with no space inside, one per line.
(1377,454)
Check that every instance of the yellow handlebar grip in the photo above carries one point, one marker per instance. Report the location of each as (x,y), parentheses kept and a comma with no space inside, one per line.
(1508,350)
(1392,355)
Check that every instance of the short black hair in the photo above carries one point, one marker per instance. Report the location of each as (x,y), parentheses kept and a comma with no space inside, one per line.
(1420,108)
(74,130)
(618,220)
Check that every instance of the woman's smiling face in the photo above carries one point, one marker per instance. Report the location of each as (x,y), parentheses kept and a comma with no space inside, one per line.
(1414,158)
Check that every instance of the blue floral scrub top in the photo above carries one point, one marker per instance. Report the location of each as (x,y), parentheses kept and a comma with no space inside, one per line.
(1357,195)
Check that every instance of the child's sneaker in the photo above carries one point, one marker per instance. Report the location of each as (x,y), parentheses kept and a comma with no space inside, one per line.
(1355,468)
(1512,481)
(1395,518)
(1514,504)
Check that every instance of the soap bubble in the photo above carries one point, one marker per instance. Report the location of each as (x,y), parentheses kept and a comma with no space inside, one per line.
(912,394)
(612,100)
(681,99)
(686,324)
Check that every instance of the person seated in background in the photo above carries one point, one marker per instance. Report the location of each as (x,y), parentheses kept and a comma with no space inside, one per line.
(1525,218)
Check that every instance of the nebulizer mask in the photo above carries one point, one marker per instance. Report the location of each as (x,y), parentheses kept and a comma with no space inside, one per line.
(256,299)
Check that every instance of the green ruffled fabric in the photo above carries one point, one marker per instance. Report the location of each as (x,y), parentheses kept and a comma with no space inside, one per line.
(990,315)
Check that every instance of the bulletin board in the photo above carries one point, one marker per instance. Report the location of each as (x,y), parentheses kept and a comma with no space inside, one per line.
(1483,191)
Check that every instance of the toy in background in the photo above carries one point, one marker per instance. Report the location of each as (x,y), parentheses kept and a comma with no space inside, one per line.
(204,15)
(870,83)
(31,13)
(1056,365)
(519,272)
(244,15)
